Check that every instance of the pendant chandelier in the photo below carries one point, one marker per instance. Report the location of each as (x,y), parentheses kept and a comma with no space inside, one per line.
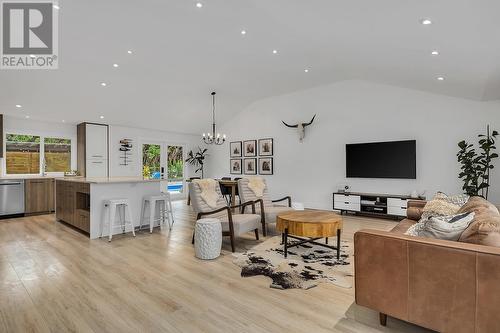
(213,137)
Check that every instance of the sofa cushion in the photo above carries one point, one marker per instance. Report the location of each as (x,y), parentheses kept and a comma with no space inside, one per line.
(448,227)
(403,226)
(485,229)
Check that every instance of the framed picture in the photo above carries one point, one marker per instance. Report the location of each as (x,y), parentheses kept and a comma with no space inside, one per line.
(235,149)
(266,166)
(250,148)
(235,166)
(266,147)
(250,166)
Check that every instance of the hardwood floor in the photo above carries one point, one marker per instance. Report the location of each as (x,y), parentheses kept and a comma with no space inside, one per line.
(54,279)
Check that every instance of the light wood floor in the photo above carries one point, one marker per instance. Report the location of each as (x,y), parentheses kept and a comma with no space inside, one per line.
(54,279)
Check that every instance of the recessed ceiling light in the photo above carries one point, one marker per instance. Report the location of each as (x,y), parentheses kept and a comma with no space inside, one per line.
(115,65)
(435,52)
(199,5)
(129,51)
(56,6)
(440,78)
(102,117)
(103,84)
(426,21)
(306,70)
(18,105)
(243,32)
(275,51)
(27,117)
(63,121)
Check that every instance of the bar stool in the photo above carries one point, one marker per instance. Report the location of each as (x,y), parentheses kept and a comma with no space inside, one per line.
(120,206)
(165,210)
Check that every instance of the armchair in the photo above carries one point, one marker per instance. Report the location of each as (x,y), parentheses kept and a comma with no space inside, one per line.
(268,208)
(232,224)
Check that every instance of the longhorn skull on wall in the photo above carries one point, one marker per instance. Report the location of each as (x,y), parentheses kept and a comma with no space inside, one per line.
(301,128)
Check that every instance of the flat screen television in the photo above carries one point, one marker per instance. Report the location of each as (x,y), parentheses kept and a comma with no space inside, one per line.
(394,159)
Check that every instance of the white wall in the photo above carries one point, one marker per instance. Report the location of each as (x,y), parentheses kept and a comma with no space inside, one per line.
(36,127)
(358,111)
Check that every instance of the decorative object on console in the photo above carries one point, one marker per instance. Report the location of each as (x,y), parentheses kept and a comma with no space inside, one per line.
(301,128)
(305,267)
(125,148)
(266,166)
(476,167)
(213,137)
(235,166)
(266,147)
(197,159)
(250,148)
(235,149)
(250,166)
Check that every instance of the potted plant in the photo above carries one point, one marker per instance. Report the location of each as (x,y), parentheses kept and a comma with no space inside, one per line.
(476,166)
(197,159)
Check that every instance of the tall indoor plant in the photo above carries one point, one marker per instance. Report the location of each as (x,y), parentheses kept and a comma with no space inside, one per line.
(197,159)
(476,166)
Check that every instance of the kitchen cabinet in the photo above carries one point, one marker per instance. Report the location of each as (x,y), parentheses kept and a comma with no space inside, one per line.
(38,196)
(73,204)
(93,150)
(1,136)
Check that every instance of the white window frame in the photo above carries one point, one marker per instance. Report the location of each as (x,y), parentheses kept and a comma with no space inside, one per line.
(42,136)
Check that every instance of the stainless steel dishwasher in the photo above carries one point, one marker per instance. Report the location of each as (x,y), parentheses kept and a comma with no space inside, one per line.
(11,196)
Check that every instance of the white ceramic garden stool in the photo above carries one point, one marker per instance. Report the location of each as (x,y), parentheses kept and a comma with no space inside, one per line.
(149,203)
(208,238)
(122,207)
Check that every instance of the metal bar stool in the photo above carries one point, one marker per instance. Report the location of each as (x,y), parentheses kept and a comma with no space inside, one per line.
(122,206)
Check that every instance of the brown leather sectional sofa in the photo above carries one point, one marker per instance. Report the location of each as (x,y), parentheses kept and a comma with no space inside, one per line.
(441,285)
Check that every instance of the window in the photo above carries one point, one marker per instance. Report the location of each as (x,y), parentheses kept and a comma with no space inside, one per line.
(57,154)
(22,154)
(151,155)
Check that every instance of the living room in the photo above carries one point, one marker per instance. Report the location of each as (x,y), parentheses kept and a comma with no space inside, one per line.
(214,166)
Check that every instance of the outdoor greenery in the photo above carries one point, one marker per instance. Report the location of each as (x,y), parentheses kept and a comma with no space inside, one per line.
(476,167)
(197,159)
(150,159)
(175,163)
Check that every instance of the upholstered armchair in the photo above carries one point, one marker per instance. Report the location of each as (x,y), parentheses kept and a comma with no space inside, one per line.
(269,209)
(232,224)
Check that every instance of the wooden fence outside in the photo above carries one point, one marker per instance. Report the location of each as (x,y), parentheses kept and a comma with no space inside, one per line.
(29,162)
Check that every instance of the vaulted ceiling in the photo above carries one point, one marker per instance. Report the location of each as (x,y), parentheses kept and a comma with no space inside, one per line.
(181,52)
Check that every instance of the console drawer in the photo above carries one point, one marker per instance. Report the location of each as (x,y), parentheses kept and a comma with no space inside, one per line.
(397,211)
(356,207)
(397,202)
(346,198)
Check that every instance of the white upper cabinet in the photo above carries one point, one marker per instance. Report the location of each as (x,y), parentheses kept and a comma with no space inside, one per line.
(96,142)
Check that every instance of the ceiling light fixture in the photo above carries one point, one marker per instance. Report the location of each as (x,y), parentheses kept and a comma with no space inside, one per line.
(115,65)
(63,121)
(243,32)
(103,84)
(440,78)
(426,21)
(129,51)
(275,51)
(27,117)
(214,137)
(199,5)
(102,117)
(56,6)
(435,53)
(18,105)
(306,70)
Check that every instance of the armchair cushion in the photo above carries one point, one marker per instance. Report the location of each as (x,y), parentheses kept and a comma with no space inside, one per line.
(246,194)
(242,223)
(200,206)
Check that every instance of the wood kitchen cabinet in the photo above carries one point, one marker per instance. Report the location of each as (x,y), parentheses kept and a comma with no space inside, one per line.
(73,204)
(38,196)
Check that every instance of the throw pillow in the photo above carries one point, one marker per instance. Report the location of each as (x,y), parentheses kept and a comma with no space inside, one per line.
(448,227)
(439,206)
(458,199)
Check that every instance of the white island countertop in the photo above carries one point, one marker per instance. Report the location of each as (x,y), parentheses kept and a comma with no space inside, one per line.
(110,180)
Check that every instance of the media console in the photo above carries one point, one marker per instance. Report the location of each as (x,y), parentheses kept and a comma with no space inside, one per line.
(383,205)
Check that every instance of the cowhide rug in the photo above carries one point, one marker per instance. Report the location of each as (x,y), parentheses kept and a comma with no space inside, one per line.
(305,267)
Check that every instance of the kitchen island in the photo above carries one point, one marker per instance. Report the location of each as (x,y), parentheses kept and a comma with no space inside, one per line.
(80,201)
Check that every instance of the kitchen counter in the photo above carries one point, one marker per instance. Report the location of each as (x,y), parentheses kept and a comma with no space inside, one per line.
(110,180)
(13,177)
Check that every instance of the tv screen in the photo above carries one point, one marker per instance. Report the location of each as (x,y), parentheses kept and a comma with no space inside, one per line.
(395,159)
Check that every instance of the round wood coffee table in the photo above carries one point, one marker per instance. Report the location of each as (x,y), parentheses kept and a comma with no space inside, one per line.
(311,224)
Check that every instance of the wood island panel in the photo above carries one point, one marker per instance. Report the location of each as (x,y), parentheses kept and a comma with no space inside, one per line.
(73,204)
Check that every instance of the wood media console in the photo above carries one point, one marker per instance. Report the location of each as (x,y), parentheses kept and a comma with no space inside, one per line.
(383,205)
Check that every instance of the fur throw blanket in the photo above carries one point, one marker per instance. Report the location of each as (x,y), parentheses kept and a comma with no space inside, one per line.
(257,185)
(208,192)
